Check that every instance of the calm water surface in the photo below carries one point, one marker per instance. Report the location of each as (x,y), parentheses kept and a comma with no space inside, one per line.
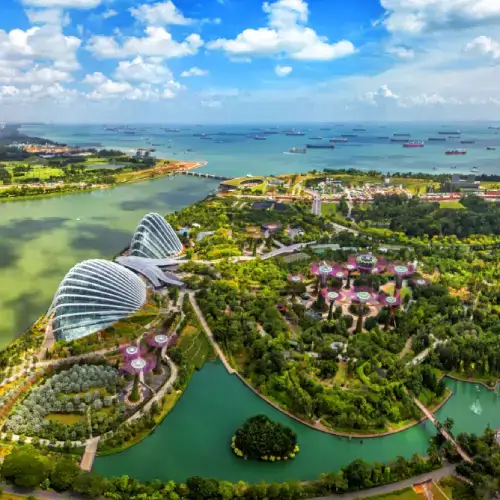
(194,439)
(41,239)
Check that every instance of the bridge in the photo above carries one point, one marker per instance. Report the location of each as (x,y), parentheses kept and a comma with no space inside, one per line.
(441,429)
(89,454)
(289,249)
(207,176)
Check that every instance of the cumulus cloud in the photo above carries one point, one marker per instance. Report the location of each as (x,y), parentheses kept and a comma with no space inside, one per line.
(42,75)
(36,92)
(283,70)
(48,16)
(419,16)
(287,34)
(383,94)
(401,52)
(46,42)
(485,46)
(142,70)
(194,71)
(63,4)
(109,13)
(160,14)
(157,42)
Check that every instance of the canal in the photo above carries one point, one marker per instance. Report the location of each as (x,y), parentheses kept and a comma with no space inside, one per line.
(42,238)
(194,439)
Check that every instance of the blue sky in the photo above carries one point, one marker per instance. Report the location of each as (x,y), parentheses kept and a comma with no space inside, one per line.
(248,60)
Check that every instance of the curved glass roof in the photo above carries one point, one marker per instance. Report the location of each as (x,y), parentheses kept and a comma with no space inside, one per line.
(92,296)
(154,238)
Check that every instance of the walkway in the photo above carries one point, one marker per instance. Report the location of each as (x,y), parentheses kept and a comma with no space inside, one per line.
(209,333)
(442,430)
(436,475)
(89,454)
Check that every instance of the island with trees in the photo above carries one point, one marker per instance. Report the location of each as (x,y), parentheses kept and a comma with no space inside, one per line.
(348,324)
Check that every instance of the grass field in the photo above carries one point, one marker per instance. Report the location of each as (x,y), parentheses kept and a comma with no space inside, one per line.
(195,345)
(328,208)
(406,494)
(451,204)
(65,418)
(37,172)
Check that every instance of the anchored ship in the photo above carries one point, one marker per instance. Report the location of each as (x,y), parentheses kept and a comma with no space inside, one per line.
(436,139)
(398,140)
(450,132)
(316,138)
(320,146)
(339,139)
(456,152)
(348,135)
(468,141)
(260,138)
(298,150)
(359,129)
(413,144)
(401,135)
(294,133)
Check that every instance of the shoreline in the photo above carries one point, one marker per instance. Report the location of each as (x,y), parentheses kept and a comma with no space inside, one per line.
(48,194)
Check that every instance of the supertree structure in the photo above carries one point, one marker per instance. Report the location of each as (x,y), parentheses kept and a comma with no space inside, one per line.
(295,279)
(138,366)
(132,351)
(392,303)
(362,296)
(400,271)
(331,295)
(366,263)
(271,226)
(158,342)
(420,282)
(323,270)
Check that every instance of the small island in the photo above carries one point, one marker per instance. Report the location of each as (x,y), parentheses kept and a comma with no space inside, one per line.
(260,438)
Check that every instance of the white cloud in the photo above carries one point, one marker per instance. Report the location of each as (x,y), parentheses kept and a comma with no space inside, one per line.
(283,70)
(160,14)
(194,71)
(418,16)
(109,13)
(211,104)
(485,46)
(48,16)
(142,71)
(285,34)
(46,42)
(157,42)
(54,93)
(401,52)
(36,75)
(383,94)
(63,4)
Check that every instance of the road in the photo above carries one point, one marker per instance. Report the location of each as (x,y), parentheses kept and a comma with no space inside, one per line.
(436,475)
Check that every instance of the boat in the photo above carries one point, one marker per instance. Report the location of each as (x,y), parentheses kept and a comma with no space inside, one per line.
(468,141)
(320,146)
(156,144)
(453,137)
(434,168)
(437,139)
(325,129)
(456,152)
(490,148)
(260,138)
(401,135)
(189,150)
(348,135)
(398,140)
(199,135)
(110,129)
(493,128)
(129,132)
(450,132)
(474,170)
(271,132)
(413,144)
(218,142)
(294,133)
(359,129)
(339,139)
(171,129)
(207,138)
(383,137)
(298,151)
(316,138)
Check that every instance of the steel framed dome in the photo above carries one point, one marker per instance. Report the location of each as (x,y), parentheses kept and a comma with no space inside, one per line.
(154,238)
(92,296)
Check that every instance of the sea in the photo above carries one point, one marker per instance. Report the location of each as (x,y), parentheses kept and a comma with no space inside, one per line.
(233,151)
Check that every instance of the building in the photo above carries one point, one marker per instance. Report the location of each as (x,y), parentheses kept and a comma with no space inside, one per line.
(462,183)
(154,238)
(92,296)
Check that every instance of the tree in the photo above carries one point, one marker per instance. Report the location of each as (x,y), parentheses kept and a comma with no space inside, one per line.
(25,468)
(89,484)
(63,474)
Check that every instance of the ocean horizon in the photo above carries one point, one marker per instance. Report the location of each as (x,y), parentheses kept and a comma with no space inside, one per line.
(232,152)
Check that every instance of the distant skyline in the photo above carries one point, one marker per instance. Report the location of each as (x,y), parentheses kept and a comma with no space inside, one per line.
(248,61)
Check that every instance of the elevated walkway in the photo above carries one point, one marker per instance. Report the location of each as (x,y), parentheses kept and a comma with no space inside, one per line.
(89,454)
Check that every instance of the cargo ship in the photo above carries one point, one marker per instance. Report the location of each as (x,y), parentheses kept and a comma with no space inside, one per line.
(401,135)
(450,132)
(398,140)
(453,137)
(468,141)
(207,137)
(199,135)
(260,138)
(270,132)
(325,129)
(298,151)
(339,139)
(349,135)
(171,129)
(359,129)
(316,138)
(294,133)
(381,137)
(490,148)
(129,132)
(320,146)
(437,139)
(456,152)
(493,128)
(413,144)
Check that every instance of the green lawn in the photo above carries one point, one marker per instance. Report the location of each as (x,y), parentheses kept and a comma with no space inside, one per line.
(406,494)
(195,345)
(328,208)
(456,205)
(38,171)
(66,418)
